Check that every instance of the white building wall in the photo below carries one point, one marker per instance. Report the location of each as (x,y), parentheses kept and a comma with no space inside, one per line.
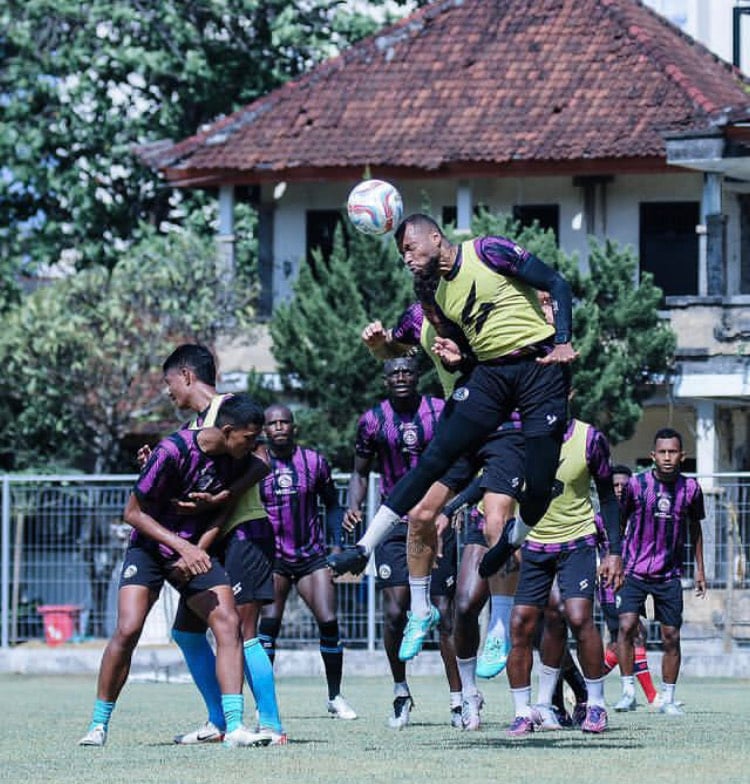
(499,194)
(710,22)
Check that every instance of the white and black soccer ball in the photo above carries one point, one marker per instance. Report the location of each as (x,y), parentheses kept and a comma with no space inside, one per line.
(375,207)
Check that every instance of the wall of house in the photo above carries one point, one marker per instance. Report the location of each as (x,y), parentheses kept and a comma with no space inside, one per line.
(710,22)
(657,414)
(619,221)
(695,322)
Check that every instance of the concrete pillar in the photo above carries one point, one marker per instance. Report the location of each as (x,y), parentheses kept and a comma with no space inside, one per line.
(711,246)
(266,210)
(706,443)
(464,207)
(225,255)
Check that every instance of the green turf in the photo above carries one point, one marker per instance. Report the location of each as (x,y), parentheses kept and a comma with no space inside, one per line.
(44,717)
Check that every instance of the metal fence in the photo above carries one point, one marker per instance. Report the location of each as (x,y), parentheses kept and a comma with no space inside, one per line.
(62,540)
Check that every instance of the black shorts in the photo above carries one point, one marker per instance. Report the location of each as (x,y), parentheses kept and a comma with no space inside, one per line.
(491,392)
(500,458)
(392,569)
(249,564)
(474,534)
(575,570)
(295,570)
(667,596)
(147,567)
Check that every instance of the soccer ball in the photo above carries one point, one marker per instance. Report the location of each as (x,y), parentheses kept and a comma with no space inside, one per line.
(375,207)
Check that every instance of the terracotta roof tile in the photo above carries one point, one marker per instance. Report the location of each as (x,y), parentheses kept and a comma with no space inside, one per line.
(476,82)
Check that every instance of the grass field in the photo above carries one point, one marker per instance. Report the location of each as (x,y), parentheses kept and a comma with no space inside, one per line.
(44,717)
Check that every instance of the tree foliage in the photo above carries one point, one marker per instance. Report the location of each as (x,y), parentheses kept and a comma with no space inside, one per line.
(316,338)
(625,347)
(85,352)
(83,82)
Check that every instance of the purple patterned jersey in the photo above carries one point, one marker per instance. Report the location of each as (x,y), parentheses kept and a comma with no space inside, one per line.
(396,440)
(178,466)
(408,329)
(291,494)
(658,516)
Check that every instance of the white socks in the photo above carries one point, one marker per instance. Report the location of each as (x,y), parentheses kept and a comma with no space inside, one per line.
(467,669)
(378,529)
(420,596)
(547,681)
(595,690)
(518,532)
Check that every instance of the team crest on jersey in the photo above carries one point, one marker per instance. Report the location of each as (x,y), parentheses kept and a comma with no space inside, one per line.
(663,506)
(409,434)
(384,571)
(284,483)
(461,394)
(130,571)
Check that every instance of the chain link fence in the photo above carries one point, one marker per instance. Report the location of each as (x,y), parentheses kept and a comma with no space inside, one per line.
(62,540)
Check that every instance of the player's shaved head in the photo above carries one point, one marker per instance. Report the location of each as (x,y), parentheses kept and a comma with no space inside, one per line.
(276,411)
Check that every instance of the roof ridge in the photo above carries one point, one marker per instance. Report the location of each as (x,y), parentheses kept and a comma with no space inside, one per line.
(650,46)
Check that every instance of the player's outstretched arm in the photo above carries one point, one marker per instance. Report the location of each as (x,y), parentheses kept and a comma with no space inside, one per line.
(380,342)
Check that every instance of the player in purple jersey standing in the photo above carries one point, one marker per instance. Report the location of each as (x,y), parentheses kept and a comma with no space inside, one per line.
(299,482)
(661,507)
(391,436)
(608,603)
(168,545)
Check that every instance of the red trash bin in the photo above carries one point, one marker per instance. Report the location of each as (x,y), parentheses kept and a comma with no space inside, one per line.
(60,621)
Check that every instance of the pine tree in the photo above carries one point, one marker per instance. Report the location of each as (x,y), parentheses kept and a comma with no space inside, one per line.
(317,343)
(625,348)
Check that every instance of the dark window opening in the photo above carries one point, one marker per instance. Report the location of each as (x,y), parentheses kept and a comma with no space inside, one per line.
(321,228)
(546,215)
(669,245)
(449,215)
(744,243)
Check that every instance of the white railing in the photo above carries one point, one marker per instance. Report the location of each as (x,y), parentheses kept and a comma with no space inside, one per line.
(62,539)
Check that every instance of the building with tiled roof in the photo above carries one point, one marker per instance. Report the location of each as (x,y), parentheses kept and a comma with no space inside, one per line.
(596,117)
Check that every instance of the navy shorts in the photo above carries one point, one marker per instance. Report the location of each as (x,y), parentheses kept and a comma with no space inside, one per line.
(502,461)
(667,596)
(296,570)
(392,569)
(574,568)
(147,567)
(474,534)
(500,458)
(539,392)
(248,560)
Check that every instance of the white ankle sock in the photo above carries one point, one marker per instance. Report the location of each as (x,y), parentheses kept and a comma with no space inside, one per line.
(381,523)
